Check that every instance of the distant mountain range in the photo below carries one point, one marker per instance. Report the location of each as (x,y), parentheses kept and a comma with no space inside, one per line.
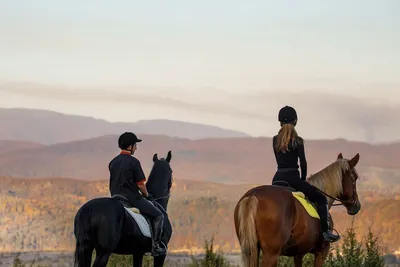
(49,127)
(224,160)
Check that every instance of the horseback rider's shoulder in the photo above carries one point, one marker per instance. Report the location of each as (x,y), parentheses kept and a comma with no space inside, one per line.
(274,139)
(135,161)
(300,140)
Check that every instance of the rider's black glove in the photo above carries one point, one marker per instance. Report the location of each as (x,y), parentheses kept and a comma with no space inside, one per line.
(149,197)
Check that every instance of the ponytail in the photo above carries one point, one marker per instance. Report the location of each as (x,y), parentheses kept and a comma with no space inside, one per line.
(287,136)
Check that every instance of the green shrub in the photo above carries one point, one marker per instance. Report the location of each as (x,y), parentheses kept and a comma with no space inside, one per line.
(352,253)
(211,258)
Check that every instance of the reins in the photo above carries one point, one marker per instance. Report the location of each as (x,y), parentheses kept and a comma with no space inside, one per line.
(353,202)
(334,198)
(158,198)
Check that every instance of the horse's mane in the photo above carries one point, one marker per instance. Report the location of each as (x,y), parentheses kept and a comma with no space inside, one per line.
(329,179)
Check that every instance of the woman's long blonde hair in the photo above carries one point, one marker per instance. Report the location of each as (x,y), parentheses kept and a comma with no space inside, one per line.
(287,135)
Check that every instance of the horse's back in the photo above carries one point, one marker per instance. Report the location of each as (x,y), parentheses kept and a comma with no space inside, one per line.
(273,203)
(101,203)
(103,209)
(271,193)
(104,218)
(276,201)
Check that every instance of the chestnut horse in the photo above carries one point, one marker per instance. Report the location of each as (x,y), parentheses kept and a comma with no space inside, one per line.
(271,219)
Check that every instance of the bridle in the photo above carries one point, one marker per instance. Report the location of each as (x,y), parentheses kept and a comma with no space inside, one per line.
(353,201)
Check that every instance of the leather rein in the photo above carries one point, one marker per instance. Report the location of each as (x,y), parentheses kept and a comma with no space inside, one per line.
(353,202)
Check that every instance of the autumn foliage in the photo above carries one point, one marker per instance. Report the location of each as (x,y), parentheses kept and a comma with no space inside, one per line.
(37,215)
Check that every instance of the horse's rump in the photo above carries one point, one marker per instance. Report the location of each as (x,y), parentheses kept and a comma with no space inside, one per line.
(276,215)
(114,216)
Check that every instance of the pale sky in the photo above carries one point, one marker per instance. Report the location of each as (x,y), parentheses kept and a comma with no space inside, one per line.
(227,63)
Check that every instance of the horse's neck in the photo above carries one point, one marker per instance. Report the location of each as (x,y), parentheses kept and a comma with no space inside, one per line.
(321,183)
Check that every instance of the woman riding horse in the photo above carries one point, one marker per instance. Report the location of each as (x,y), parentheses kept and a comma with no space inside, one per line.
(288,148)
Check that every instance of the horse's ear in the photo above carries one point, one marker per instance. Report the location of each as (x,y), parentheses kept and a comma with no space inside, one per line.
(353,162)
(155,158)
(340,156)
(169,156)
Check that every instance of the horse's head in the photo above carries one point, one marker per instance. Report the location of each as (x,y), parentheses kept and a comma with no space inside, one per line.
(160,179)
(162,166)
(349,196)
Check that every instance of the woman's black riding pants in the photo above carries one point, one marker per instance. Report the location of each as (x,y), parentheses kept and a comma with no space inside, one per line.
(292,178)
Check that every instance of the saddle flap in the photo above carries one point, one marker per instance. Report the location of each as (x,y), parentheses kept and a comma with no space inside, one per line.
(300,194)
(308,206)
(141,221)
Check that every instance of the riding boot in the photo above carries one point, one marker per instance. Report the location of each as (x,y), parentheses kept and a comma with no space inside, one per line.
(326,231)
(157,250)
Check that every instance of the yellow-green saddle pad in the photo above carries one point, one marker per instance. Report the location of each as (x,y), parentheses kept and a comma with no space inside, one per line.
(311,210)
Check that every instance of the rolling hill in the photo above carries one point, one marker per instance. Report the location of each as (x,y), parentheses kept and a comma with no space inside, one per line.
(49,127)
(7,146)
(229,160)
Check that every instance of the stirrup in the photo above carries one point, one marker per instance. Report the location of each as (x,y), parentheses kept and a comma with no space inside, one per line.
(330,237)
(158,250)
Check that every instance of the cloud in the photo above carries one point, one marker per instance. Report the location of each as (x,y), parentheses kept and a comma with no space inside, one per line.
(320,114)
(375,119)
(103,95)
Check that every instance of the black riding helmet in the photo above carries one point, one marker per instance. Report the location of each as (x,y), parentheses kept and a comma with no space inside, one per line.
(126,139)
(287,114)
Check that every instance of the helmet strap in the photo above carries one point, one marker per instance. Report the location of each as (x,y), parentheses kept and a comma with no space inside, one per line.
(132,148)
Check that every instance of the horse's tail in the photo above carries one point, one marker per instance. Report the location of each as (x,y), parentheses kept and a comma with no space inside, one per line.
(247,232)
(83,247)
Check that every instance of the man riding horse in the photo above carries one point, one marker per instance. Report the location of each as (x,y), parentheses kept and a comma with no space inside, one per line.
(127,179)
(288,148)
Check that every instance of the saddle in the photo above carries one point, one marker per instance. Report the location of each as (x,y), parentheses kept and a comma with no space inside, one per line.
(125,202)
(285,185)
(142,221)
(301,197)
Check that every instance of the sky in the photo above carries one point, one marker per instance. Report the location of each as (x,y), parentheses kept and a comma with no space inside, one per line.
(231,64)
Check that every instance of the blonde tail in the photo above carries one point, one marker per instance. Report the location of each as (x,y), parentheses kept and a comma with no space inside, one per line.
(247,231)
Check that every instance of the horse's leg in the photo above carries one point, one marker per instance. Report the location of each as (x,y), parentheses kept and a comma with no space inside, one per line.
(101,259)
(137,260)
(271,238)
(298,261)
(270,258)
(159,260)
(320,256)
(84,256)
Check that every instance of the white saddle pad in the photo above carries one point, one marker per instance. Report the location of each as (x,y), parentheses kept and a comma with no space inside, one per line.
(141,221)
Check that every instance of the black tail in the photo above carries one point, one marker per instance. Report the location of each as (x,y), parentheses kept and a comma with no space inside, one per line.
(84,247)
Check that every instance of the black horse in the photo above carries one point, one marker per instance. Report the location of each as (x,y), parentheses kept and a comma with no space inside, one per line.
(103,224)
